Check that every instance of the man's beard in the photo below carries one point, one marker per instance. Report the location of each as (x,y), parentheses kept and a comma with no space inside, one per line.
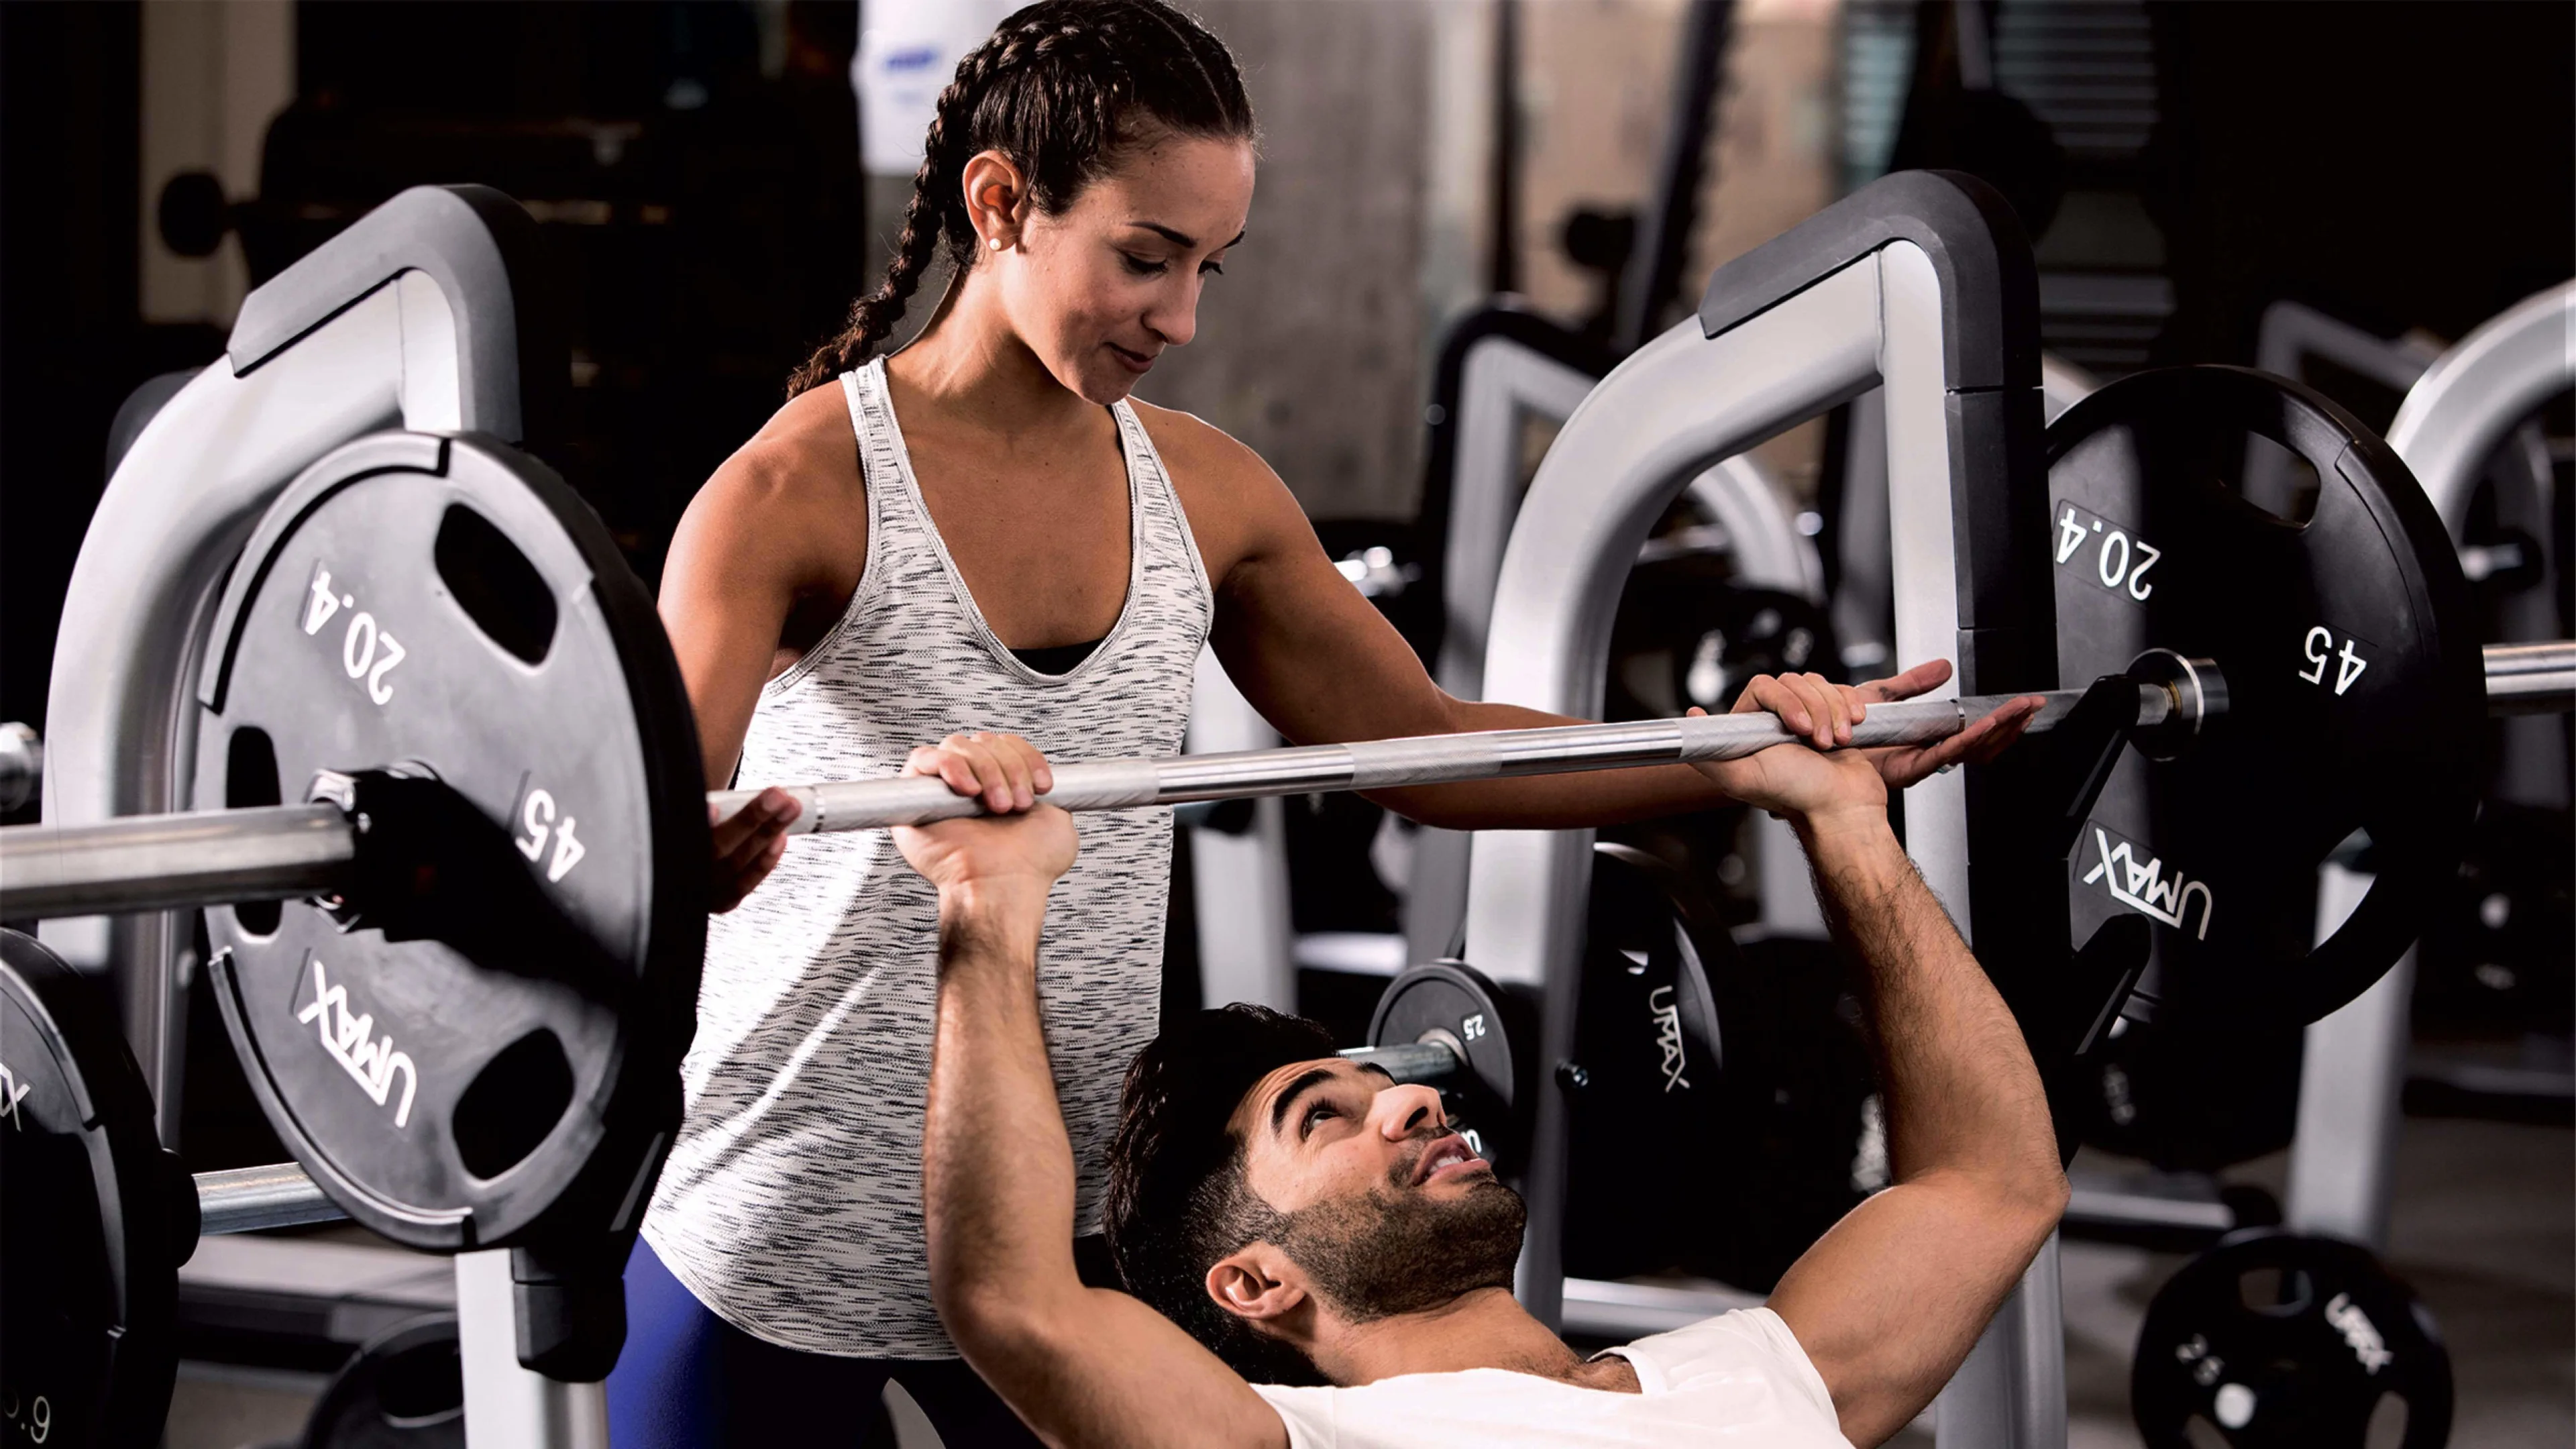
(1386,1252)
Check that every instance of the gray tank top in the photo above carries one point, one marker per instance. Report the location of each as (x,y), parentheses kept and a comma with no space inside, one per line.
(791,1204)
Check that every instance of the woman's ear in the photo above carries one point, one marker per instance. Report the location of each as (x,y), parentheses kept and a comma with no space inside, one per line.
(997,200)
(1258,1283)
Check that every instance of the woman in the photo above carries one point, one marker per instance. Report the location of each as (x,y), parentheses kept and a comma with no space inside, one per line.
(1027,550)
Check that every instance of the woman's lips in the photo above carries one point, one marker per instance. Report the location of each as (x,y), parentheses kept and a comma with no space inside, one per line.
(1135,362)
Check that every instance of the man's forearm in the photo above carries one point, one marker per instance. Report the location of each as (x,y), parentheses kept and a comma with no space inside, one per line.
(997,1167)
(1957,1083)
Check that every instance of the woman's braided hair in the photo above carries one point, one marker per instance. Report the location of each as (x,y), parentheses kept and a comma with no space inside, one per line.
(1061,88)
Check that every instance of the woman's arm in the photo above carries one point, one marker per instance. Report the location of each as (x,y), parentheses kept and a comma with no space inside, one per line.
(1323,665)
(779,532)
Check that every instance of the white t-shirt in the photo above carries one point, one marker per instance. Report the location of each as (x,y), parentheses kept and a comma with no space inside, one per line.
(1739,1379)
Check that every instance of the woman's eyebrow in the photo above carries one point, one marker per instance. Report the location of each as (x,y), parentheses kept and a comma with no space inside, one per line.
(1183,239)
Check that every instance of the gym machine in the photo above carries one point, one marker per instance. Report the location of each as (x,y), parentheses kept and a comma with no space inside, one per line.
(424,315)
(1911,285)
(2465,408)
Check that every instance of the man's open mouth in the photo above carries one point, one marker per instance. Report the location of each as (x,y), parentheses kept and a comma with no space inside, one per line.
(1444,1152)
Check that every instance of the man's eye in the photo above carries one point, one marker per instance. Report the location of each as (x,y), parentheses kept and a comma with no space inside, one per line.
(1141,267)
(1314,1114)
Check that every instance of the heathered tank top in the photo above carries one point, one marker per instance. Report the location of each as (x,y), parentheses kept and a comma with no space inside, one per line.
(791,1204)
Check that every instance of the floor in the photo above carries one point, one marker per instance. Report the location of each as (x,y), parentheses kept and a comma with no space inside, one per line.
(2484,1228)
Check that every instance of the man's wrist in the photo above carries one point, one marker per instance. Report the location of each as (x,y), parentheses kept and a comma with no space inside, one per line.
(1856,823)
(1002,911)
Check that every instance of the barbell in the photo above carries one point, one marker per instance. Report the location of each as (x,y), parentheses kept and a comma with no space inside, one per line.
(281,852)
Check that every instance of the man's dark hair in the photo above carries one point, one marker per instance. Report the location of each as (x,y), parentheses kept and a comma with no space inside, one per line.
(1177,1199)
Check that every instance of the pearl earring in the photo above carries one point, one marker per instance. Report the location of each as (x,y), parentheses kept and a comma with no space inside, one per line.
(997,244)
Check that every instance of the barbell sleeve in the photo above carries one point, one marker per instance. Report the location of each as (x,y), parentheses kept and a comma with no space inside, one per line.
(247,1199)
(2531,678)
(162,862)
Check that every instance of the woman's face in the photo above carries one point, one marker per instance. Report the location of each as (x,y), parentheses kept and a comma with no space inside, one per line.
(1098,290)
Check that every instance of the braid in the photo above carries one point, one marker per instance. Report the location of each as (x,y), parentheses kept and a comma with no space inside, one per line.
(1061,88)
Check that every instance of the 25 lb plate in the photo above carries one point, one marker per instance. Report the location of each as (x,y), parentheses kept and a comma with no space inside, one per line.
(2357,694)
(448,607)
(2272,1338)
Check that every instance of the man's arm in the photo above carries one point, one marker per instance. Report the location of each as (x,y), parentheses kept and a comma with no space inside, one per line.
(1888,1303)
(1082,1366)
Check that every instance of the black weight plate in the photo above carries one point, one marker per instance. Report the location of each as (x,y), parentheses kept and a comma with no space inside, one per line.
(402,1389)
(447,605)
(2274,1339)
(1801,1143)
(92,1225)
(2189,1098)
(1685,636)
(2357,689)
(1640,1166)
(1458,1005)
(2494,957)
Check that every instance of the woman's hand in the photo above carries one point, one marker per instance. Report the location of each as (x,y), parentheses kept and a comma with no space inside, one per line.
(1823,713)
(748,844)
(1007,771)
(1982,740)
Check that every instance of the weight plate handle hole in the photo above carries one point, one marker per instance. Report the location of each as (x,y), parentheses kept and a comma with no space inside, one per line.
(512,1104)
(495,584)
(2276,1292)
(250,780)
(2276,480)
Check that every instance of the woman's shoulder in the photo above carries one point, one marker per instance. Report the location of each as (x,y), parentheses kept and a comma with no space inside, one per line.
(805,454)
(1199,449)
(793,495)
(1232,497)
(800,469)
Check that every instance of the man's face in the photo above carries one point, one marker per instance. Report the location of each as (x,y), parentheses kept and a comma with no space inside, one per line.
(1386,1209)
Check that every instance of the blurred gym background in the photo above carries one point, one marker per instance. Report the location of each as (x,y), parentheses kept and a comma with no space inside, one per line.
(715,188)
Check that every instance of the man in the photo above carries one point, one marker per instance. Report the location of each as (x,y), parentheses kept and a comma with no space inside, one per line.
(1308,1220)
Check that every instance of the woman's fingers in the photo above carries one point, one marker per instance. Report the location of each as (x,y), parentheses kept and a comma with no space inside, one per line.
(1929,675)
(766,816)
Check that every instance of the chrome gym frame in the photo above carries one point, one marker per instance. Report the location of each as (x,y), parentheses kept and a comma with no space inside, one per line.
(409,319)
(1922,285)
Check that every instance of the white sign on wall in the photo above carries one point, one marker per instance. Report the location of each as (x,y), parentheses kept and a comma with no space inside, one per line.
(908,53)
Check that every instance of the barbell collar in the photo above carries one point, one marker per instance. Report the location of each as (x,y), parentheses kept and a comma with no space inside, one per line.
(247,1199)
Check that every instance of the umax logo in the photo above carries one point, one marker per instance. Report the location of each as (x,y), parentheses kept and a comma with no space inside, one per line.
(1668,1035)
(370,1060)
(2137,880)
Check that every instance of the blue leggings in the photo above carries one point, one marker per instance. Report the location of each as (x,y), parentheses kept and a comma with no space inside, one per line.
(688,1379)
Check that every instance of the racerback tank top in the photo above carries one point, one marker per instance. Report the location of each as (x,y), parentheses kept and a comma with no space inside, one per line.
(791,1203)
